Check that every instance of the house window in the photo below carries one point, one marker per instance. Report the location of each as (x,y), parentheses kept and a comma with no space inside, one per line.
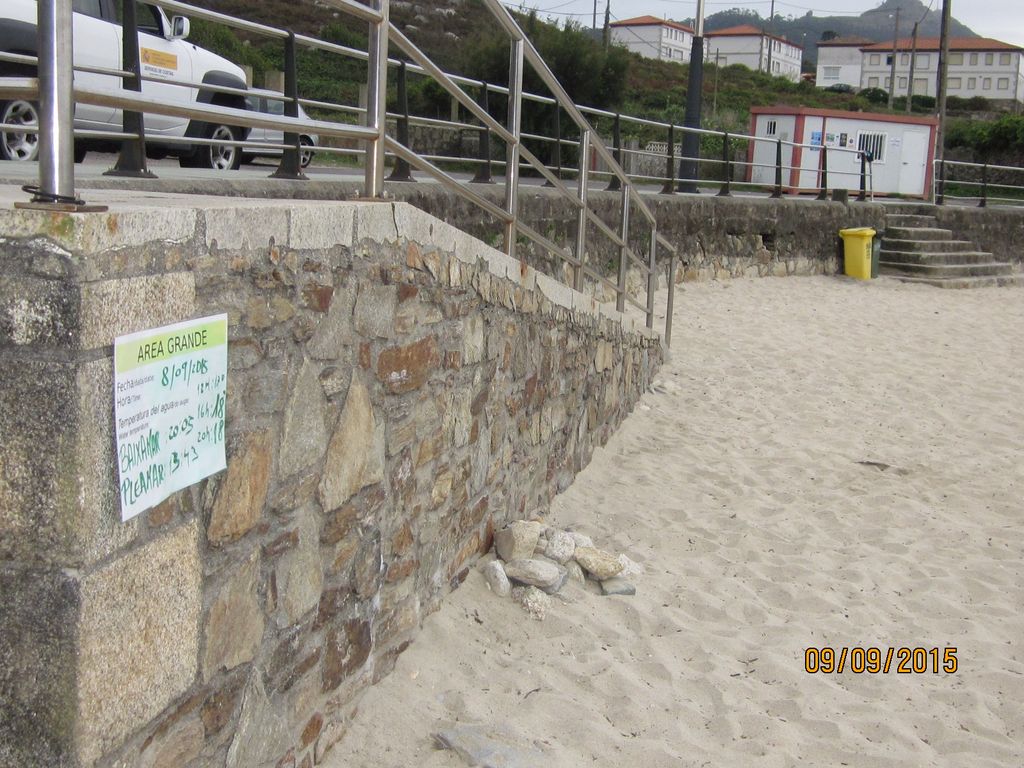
(905,59)
(831,73)
(1003,84)
(974,59)
(956,59)
(873,143)
(875,59)
(1004,59)
(986,84)
(888,60)
(972,83)
(770,128)
(954,82)
(666,52)
(872,82)
(887,81)
(903,82)
(989,59)
(923,61)
(920,86)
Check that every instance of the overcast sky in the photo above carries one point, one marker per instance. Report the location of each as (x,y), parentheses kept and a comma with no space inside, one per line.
(999,19)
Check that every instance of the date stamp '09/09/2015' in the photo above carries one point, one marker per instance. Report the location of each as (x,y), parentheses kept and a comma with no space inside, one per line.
(874,660)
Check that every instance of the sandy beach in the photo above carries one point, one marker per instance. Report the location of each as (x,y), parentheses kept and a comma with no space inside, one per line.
(822,463)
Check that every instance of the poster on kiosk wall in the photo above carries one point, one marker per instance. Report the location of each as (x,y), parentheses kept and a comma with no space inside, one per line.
(170,397)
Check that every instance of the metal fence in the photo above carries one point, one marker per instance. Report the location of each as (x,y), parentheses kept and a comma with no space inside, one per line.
(978,183)
(57,95)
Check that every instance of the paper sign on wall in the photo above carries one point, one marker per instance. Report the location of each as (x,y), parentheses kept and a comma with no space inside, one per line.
(170,396)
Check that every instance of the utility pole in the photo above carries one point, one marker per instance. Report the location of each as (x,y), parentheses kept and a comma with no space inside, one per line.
(607,24)
(718,67)
(771,25)
(913,66)
(940,138)
(892,65)
(688,164)
(595,15)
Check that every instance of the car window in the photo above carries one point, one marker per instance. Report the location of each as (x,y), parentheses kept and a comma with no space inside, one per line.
(88,7)
(275,107)
(146,16)
(252,103)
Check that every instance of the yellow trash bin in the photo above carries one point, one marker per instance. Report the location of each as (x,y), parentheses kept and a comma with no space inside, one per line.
(857,251)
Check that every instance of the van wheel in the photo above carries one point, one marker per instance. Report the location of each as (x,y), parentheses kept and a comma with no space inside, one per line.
(15,145)
(217,158)
(305,151)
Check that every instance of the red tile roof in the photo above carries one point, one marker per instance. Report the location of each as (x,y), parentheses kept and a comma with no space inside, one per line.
(651,21)
(748,30)
(955,44)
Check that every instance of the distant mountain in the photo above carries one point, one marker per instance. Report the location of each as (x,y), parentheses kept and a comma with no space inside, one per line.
(874,24)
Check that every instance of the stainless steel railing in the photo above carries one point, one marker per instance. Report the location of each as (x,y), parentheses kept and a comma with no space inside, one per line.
(57,95)
(981,184)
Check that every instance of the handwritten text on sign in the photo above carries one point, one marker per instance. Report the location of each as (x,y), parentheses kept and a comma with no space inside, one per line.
(170,394)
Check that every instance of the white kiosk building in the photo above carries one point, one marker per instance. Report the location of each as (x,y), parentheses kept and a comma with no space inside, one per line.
(902,146)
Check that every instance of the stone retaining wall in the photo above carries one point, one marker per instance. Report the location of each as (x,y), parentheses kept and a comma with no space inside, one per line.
(396,391)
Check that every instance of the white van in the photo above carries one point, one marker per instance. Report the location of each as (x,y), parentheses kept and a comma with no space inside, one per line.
(164,54)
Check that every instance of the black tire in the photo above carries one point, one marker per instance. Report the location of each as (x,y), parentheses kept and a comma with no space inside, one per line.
(15,145)
(218,158)
(305,151)
(80,152)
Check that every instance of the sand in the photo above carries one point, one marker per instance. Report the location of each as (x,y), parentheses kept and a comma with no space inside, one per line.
(739,485)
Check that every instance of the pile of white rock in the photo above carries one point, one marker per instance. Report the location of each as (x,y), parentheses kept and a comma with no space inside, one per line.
(534,560)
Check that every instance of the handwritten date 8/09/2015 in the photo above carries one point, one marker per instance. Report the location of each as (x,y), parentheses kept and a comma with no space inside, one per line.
(874,660)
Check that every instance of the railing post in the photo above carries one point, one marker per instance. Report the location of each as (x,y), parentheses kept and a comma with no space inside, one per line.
(483,171)
(402,170)
(131,161)
(983,203)
(558,144)
(823,180)
(652,276)
(56,106)
(515,115)
(777,193)
(614,183)
(670,162)
(726,190)
(291,159)
(670,306)
(940,198)
(620,292)
(581,214)
(376,95)
(863,178)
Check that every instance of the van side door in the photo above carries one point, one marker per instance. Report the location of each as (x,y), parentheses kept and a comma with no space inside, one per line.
(170,61)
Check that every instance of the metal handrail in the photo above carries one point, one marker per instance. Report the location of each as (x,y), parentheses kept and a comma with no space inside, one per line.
(57,94)
(941,181)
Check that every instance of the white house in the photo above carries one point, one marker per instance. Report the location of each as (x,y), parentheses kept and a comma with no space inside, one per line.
(752,47)
(902,146)
(654,38)
(978,66)
(839,61)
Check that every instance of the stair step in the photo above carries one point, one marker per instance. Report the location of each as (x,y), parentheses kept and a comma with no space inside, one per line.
(965,282)
(910,209)
(919,233)
(934,257)
(909,220)
(947,270)
(926,246)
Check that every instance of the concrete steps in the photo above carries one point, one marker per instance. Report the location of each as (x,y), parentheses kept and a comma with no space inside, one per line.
(966,282)
(916,250)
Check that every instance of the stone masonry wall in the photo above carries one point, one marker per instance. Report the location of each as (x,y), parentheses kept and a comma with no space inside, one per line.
(396,391)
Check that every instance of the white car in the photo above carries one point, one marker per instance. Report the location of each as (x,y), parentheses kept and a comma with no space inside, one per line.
(307,141)
(164,53)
